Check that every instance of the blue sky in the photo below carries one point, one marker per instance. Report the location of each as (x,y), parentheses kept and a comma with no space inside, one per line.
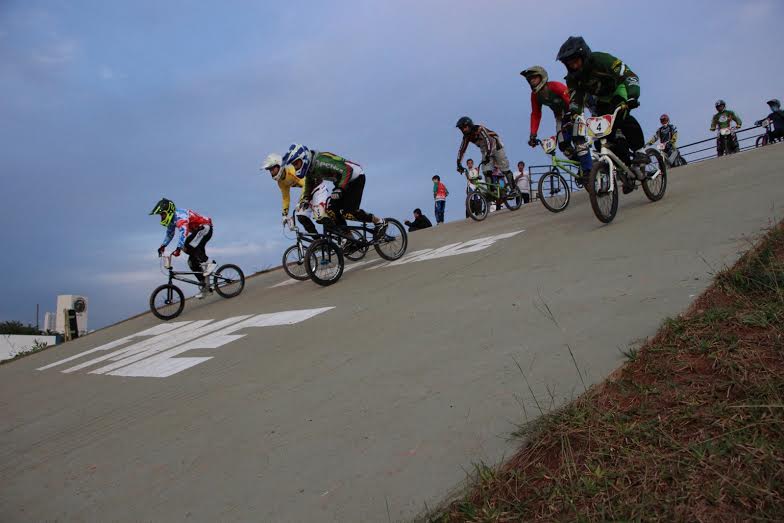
(107,106)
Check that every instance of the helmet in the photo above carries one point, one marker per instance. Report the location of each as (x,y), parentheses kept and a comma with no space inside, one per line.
(720,103)
(774,103)
(271,161)
(297,152)
(665,118)
(536,70)
(463,121)
(574,46)
(166,206)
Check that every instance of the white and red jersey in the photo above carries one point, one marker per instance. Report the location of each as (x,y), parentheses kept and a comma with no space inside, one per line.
(185,221)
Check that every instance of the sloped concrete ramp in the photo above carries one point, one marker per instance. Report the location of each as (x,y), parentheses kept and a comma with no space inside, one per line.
(365,400)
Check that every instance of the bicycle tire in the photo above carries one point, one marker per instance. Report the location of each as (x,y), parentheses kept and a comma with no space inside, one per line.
(389,239)
(761,141)
(594,194)
(477,205)
(361,250)
(173,292)
(319,252)
(295,268)
(648,186)
(228,286)
(561,181)
(513,200)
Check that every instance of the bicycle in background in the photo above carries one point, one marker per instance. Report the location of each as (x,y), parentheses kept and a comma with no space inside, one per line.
(167,301)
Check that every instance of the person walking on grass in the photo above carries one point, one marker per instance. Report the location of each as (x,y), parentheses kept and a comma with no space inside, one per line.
(523,181)
(439,195)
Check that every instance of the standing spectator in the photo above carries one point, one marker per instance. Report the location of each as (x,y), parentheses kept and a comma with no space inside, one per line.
(523,181)
(439,195)
(472,175)
(420,221)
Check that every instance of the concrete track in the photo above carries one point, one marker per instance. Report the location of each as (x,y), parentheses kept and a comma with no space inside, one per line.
(371,400)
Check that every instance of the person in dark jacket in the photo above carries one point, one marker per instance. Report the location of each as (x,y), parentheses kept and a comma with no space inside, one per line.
(776,121)
(420,221)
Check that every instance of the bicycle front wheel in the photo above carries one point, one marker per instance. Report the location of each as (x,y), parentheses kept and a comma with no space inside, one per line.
(553,191)
(228,280)
(477,205)
(604,198)
(394,242)
(167,302)
(655,182)
(294,263)
(324,262)
(513,200)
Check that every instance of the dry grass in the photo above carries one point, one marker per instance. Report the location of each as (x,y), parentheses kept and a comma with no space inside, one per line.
(691,428)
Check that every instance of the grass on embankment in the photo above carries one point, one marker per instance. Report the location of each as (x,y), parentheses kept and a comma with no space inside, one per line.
(690,428)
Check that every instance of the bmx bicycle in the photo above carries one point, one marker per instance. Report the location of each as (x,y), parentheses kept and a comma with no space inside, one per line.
(167,301)
(479,198)
(324,258)
(607,167)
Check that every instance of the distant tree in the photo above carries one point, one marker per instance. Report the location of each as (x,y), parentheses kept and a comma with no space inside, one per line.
(17,327)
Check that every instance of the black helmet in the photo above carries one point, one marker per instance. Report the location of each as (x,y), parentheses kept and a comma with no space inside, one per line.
(463,121)
(774,103)
(167,206)
(720,102)
(573,46)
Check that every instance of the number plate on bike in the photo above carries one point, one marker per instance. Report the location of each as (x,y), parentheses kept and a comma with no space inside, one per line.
(599,126)
(549,144)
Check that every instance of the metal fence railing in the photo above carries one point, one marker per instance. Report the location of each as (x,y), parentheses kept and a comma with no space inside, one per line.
(689,153)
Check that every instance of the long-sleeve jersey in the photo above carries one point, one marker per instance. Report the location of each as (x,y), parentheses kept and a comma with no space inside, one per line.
(665,133)
(290,179)
(723,119)
(487,141)
(606,78)
(330,167)
(184,222)
(554,95)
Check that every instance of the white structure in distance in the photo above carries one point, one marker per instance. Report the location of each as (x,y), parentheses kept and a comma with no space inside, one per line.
(78,304)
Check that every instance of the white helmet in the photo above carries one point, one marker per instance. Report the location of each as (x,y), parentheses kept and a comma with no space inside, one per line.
(271,161)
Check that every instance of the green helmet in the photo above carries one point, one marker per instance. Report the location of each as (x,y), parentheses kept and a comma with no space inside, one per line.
(536,70)
(164,206)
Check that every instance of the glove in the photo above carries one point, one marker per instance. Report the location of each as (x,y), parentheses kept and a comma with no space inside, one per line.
(285,220)
(336,193)
(632,103)
(460,168)
(758,122)
(176,252)
(160,250)
(532,141)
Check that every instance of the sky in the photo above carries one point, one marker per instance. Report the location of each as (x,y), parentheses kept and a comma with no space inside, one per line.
(105,107)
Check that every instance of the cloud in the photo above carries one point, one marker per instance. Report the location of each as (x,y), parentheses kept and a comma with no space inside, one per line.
(59,52)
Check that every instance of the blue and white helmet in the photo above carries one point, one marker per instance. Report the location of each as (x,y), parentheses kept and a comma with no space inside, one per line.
(298,152)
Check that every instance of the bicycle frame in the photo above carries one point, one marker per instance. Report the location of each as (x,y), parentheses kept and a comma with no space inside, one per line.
(490,190)
(179,275)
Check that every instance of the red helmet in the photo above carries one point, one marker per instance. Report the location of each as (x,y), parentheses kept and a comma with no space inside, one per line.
(665,119)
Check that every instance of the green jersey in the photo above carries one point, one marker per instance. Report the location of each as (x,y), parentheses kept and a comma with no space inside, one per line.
(604,77)
(723,119)
(330,167)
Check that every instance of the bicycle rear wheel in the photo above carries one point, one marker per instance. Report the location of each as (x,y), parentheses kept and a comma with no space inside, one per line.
(553,191)
(167,302)
(228,280)
(604,199)
(477,205)
(394,243)
(324,262)
(654,187)
(294,263)
(357,249)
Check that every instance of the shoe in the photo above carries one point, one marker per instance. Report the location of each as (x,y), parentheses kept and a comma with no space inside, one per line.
(208,267)
(203,291)
(628,188)
(380,229)
(640,158)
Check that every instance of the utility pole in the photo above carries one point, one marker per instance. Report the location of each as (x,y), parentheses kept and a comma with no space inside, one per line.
(37,326)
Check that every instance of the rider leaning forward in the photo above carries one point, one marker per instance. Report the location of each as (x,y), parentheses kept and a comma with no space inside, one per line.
(491,146)
(611,84)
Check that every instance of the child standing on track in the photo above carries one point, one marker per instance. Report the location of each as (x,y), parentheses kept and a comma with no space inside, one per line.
(439,195)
